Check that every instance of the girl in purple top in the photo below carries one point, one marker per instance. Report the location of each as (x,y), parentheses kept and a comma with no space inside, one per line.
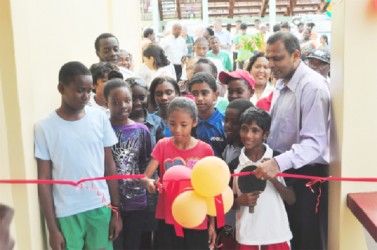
(131,155)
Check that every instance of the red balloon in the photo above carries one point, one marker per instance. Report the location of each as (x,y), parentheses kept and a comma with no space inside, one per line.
(177,177)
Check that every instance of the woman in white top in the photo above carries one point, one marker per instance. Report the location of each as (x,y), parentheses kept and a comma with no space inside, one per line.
(261,72)
(155,64)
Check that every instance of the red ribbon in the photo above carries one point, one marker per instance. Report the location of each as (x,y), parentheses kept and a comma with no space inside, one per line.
(309,185)
(73,183)
(80,184)
(316,178)
(219,204)
(101,195)
(175,188)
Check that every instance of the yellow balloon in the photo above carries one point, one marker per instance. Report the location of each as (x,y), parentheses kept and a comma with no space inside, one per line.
(189,209)
(210,176)
(228,199)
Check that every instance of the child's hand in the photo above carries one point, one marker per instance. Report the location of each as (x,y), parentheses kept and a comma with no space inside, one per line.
(211,234)
(248,199)
(151,186)
(57,241)
(116,225)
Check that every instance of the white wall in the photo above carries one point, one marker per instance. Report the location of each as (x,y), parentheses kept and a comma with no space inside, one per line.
(38,37)
(354,134)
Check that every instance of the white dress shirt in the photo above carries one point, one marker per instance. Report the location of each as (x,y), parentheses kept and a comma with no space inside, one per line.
(300,113)
(175,48)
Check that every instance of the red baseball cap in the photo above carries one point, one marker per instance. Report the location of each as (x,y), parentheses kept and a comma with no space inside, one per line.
(237,74)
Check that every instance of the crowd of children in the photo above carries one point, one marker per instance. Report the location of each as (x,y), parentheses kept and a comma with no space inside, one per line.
(146,124)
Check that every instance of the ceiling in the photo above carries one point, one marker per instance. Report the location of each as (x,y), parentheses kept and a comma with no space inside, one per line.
(185,9)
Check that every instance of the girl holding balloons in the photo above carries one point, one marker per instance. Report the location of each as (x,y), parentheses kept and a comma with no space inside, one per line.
(184,151)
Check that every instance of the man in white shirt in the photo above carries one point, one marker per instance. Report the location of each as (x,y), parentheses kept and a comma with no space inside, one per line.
(300,115)
(223,35)
(175,48)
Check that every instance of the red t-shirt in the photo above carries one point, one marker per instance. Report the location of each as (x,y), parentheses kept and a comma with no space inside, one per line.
(265,103)
(168,155)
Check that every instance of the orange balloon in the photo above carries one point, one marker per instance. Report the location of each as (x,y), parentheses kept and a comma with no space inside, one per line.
(210,176)
(189,209)
(228,199)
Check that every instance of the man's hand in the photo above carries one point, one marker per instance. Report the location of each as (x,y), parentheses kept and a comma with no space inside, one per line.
(267,170)
(248,199)
(57,241)
(115,227)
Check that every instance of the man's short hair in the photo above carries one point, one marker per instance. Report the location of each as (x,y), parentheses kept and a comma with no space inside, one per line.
(175,25)
(285,25)
(102,36)
(291,42)
(276,27)
(243,26)
(148,32)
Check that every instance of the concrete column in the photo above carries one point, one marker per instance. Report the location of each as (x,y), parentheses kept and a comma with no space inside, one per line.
(205,12)
(126,20)
(272,13)
(155,16)
(38,37)
(354,134)
(15,160)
